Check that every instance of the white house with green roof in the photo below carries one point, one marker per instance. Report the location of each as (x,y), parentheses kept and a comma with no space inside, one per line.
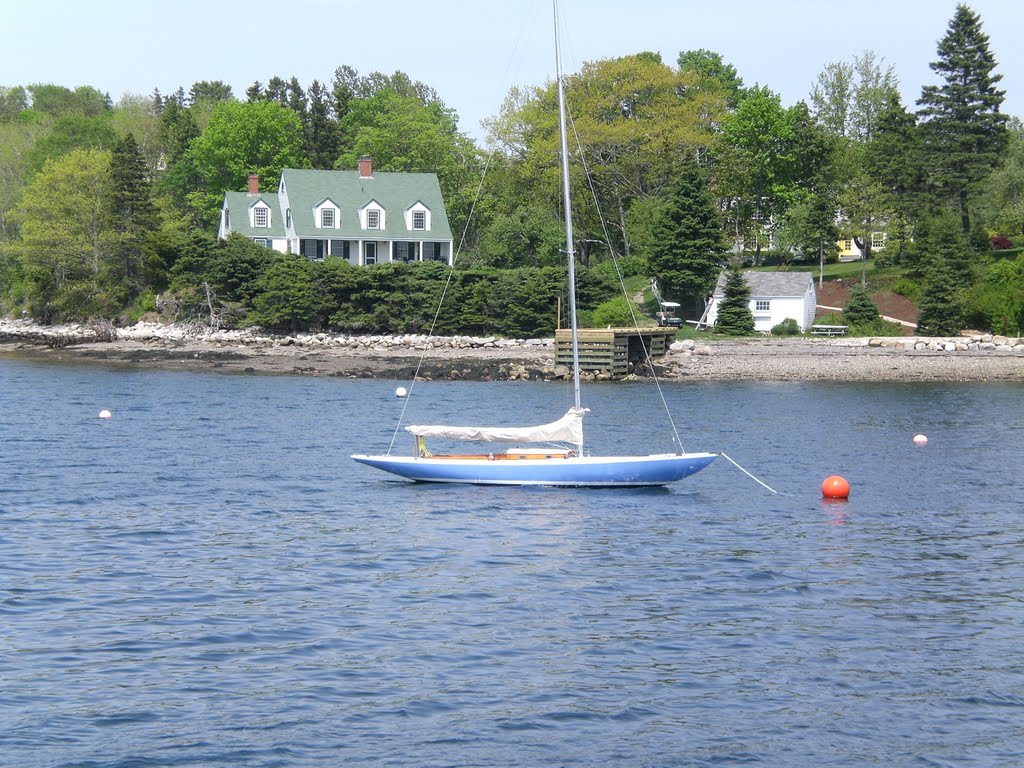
(360,216)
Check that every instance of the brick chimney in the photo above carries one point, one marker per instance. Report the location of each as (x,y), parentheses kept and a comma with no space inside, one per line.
(365,167)
(254,184)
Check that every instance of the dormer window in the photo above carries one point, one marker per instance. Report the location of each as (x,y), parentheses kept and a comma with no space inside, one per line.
(419,219)
(373,219)
(261,216)
(327,218)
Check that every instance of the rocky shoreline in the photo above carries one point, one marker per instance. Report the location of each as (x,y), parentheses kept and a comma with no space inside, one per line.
(975,357)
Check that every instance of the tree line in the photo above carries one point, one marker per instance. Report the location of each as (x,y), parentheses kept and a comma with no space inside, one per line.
(679,169)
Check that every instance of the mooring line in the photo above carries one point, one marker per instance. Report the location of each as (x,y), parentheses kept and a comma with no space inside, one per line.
(741,469)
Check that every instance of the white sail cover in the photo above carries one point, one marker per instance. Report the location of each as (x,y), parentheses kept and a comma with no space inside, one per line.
(568,429)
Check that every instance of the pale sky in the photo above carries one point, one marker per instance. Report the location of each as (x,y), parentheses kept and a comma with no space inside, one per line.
(472,52)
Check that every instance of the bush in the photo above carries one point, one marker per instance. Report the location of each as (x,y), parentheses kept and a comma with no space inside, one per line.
(1000,243)
(614,312)
(788,327)
(878,327)
(908,288)
(836,318)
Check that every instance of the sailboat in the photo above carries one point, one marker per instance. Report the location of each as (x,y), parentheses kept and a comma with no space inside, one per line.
(549,454)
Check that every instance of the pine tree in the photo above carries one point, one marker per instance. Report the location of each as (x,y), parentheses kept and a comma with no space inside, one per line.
(860,311)
(688,240)
(894,158)
(132,213)
(940,305)
(734,315)
(964,133)
(320,129)
(177,129)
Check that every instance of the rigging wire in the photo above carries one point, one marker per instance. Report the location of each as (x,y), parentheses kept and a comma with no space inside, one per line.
(622,283)
(515,58)
(440,303)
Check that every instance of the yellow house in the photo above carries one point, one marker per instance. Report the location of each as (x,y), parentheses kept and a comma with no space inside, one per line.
(849,249)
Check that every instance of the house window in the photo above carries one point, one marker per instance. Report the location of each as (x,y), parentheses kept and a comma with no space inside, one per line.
(428,251)
(847,245)
(373,219)
(878,239)
(762,305)
(419,219)
(288,218)
(433,252)
(261,241)
(327,218)
(260,217)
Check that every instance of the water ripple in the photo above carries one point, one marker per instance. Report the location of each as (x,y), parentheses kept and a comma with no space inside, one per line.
(207,580)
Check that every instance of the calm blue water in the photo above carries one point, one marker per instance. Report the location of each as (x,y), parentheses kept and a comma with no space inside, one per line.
(206,579)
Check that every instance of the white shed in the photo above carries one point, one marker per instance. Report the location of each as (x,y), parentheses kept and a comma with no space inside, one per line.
(774,296)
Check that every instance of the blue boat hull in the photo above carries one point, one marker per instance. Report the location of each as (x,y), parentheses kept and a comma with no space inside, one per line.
(575,472)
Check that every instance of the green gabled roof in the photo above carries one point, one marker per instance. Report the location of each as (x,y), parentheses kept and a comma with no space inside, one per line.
(394,192)
(239,203)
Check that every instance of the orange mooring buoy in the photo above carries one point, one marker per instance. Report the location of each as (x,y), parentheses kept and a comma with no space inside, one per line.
(835,487)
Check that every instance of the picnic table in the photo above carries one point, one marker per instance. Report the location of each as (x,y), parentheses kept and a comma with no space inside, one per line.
(829,330)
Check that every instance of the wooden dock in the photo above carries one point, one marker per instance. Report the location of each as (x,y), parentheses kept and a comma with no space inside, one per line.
(612,349)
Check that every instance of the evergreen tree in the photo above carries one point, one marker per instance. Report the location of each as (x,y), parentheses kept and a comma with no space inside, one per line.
(286,297)
(320,129)
(211,92)
(940,304)
(177,129)
(276,90)
(860,311)
(734,315)
(133,216)
(297,98)
(893,157)
(687,236)
(964,132)
(941,253)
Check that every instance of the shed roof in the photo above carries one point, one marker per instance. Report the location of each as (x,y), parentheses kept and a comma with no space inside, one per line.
(771,284)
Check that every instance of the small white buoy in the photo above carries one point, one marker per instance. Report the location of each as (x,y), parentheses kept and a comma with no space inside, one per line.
(400,392)
(920,439)
(105,414)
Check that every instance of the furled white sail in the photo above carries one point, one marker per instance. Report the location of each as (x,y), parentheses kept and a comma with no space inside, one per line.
(568,429)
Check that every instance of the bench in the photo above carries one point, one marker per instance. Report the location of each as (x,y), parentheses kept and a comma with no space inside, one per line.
(829,330)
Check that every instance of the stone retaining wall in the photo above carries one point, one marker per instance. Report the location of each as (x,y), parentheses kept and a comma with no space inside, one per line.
(976,342)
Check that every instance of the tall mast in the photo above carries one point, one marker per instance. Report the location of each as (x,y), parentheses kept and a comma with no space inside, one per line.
(570,251)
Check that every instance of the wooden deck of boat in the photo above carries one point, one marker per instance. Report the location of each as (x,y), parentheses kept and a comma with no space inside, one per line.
(512,456)
(612,349)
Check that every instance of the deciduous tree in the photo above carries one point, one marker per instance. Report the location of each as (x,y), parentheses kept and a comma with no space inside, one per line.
(242,138)
(65,234)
